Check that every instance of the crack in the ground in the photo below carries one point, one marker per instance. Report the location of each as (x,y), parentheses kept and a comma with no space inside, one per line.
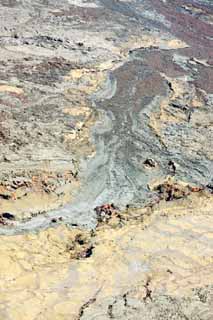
(87,304)
(148,291)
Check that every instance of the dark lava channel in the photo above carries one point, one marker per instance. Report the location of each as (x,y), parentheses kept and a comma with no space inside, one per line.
(121,170)
(132,142)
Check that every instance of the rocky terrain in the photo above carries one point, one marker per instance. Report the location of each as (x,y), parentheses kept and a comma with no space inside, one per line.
(106,102)
(151,263)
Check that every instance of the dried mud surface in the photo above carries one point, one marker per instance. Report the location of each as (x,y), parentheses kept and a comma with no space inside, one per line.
(154,263)
(106,102)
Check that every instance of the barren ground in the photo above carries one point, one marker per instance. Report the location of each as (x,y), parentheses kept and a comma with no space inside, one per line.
(106,102)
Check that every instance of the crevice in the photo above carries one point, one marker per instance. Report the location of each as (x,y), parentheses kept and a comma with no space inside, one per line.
(110,310)
(87,304)
(148,291)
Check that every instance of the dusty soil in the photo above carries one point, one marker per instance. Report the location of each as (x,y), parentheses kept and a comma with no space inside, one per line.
(106,104)
(152,263)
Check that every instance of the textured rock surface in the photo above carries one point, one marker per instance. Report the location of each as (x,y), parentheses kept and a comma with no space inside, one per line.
(146,263)
(141,68)
(106,102)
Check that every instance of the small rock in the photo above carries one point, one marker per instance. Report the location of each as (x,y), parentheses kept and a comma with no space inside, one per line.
(150,163)
(9,216)
(172,166)
(87,253)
